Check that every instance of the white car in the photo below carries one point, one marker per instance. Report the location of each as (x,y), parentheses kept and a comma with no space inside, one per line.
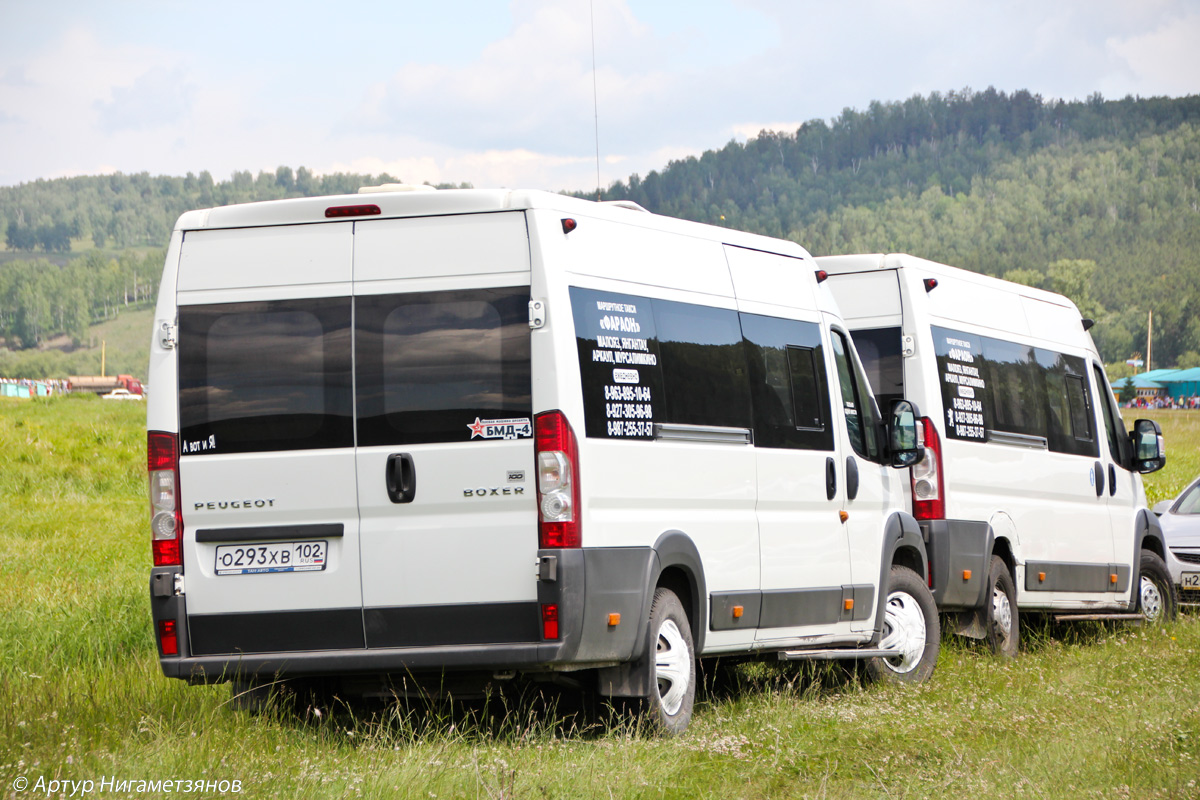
(121,394)
(1180,519)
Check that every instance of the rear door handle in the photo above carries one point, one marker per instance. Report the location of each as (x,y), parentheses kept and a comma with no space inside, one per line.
(830,478)
(401,477)
(1098,471)
(1112,480)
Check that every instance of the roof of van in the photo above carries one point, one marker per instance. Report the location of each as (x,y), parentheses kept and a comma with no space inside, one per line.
(868,262)
(404,202)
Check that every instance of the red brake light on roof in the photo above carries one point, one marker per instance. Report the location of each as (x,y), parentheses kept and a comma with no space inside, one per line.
(557,464)
(166,514)
(365,210)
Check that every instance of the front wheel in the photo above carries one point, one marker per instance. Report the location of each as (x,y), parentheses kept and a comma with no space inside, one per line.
(910,628)
(673,691)
(1155,591)
(1003,625)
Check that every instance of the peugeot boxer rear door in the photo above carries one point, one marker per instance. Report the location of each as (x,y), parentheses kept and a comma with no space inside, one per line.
(445,430)
(266,463)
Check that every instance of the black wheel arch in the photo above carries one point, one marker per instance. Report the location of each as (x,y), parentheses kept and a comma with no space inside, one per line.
(1147,536)
(676,565)
(679,568)
(903,545)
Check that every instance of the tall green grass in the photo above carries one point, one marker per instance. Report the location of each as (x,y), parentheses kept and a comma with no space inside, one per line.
(1086,711)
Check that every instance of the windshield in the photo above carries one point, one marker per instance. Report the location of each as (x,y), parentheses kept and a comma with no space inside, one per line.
(1189,501)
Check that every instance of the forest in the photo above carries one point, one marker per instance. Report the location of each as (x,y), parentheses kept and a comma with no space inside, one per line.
(1097,199)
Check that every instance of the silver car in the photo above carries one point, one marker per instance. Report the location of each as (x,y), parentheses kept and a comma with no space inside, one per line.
(1180,520)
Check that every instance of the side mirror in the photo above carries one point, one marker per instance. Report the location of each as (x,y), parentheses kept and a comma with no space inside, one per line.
(1162,507)
(1149,449)
(906,438)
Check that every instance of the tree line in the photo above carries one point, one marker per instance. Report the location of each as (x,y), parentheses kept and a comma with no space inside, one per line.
(40,299)
(1095,198)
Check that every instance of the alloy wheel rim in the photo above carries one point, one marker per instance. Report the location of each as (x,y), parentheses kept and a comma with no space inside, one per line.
(1001,613)
(904,626)
(1152,602)
(671,667)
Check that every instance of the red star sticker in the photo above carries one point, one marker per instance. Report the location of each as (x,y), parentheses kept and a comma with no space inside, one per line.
(476,428)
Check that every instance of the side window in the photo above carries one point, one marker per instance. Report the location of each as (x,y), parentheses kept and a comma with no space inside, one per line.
(703,365)
(265,376)
(1069,425)
(644,361)
(619,370)
(443,366)
(788,389)
(993,385)
(1112,425)
(1081,409)
(879,351)
(857,402)
(1017,386)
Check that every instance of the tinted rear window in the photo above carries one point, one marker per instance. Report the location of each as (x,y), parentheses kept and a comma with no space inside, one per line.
(879,351)
(265,376)
(443,366)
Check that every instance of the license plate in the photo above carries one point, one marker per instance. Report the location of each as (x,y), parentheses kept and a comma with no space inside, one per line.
(256,559)
(1190,580)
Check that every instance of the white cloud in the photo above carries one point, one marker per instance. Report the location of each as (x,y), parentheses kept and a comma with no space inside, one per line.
(1163,61)
(155,99)
(750,130)
(532,88)
(512,104)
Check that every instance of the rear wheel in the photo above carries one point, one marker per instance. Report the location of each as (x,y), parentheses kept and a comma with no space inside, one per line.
(673,661)
(910,629)
(1003,625)
(1155,592)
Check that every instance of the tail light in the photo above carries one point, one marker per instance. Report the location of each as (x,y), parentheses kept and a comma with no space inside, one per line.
(168,637)
(559,523)
(550,621)
(166,516)
(928,489)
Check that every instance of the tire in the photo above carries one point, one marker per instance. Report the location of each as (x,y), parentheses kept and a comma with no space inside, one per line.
(672,661)
(911,626)
(1003,624)
(1155,592)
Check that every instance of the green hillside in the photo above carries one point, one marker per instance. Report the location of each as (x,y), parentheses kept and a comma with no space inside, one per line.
(1097,199)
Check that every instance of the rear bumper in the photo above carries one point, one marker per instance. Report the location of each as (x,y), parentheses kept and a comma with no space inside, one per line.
(587,586)
(959,558)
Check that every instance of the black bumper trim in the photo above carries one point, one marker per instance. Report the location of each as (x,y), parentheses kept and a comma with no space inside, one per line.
(271,533)
(435,626)
(275,631)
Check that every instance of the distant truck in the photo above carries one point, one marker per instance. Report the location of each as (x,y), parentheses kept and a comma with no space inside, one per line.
(102,384)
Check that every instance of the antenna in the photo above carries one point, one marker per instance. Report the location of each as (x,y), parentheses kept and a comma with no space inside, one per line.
(595,102)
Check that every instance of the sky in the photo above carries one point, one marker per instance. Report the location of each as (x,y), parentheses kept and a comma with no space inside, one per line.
(505,94)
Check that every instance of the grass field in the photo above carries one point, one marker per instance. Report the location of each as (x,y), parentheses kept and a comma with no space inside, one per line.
(1086,711)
